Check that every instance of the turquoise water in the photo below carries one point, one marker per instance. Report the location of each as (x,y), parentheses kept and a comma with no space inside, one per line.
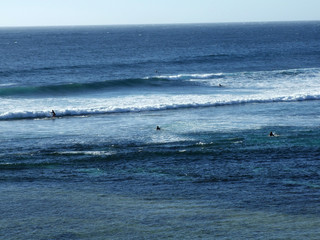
(198,177)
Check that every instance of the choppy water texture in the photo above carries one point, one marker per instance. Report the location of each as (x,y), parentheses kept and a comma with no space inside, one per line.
(101,170)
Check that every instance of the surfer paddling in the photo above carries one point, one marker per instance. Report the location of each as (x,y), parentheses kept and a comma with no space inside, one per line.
(53,114)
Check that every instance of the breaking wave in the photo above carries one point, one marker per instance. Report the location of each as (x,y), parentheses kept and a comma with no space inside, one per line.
(154,104)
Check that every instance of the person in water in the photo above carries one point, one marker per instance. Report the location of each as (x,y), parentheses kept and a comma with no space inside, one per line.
(158,128)
(53,113)
(271,134)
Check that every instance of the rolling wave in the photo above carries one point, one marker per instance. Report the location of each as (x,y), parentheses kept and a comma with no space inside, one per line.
(163,81)
(177,80)
(70,88)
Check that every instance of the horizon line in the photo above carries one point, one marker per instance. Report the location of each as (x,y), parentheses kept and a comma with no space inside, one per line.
(153,24)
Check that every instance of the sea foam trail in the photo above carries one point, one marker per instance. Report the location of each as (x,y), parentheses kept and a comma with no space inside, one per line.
(156,103)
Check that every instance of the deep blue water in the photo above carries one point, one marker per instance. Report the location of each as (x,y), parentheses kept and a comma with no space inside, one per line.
(101,170)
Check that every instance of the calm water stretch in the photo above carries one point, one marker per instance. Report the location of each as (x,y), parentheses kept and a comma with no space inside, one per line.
(101,170)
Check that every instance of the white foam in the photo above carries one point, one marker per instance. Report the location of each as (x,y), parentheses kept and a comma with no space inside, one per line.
(93,153)
(187,76)
(145,103)
(7,84)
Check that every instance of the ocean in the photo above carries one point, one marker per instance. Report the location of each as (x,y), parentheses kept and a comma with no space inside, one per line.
(100,169)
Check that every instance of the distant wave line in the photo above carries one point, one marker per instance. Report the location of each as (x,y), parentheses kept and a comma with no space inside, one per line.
(70,69)
(94,66)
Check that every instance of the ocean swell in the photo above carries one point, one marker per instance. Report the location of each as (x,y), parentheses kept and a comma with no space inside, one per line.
(74,88)
(250,80)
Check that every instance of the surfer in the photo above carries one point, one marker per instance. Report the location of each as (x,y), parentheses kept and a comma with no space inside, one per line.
(53,113)
(271,134)
(158,128)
